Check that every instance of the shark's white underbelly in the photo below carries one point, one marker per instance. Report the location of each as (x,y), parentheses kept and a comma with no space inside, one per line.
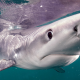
(47,62)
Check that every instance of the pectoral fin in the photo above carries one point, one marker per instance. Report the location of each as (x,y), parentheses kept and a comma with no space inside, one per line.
(59,69)
(6,64)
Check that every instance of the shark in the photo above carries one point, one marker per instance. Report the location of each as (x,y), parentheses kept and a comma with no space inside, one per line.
(54,45)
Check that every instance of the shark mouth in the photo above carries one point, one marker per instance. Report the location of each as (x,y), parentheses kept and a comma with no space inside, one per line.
(57,55)
(58,60)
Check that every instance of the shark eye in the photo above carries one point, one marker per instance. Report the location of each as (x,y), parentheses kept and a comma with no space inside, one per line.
(75,28)
(50,34)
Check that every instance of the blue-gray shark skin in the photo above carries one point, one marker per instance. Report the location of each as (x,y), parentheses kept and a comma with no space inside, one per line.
(53,45)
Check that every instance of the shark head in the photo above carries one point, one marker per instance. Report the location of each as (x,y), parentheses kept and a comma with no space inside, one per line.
(60,37)
(55,44)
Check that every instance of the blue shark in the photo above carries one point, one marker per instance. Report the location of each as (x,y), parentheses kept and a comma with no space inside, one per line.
(50,46)
(27,42)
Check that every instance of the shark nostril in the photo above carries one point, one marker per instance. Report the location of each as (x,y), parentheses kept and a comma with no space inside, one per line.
(75,28)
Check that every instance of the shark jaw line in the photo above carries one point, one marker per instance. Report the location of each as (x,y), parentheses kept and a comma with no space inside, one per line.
(62,60)
(61,53)
(55,55)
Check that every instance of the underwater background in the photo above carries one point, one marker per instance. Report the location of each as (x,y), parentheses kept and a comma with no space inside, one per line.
(72,71)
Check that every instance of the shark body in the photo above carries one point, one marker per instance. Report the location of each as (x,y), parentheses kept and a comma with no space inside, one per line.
(50,46)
